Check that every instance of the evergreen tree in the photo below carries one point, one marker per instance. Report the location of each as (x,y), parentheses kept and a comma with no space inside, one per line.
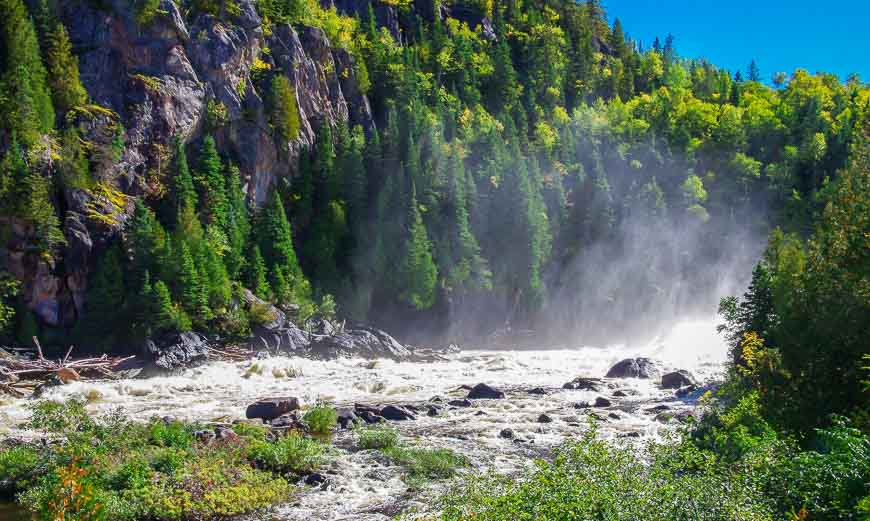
(284,110)
(27,107)
(74,164)
(185,193)
(238,226)
(165,316)
(255,276)
(212,185)
(753,73)
(104,301)
(63,68)
(192,291)
(416,274)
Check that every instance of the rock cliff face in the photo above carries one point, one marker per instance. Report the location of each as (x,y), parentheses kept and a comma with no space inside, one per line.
(157,82)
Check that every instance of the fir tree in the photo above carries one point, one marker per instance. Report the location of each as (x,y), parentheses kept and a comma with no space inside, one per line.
(104,301)
(63,68)
(238,227)
(753,73)
(255,276)
(416,274)
(212,185)
(185,193)
(28,107)
(284,110)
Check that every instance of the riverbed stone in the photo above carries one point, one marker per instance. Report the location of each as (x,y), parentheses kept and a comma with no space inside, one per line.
(484,392)
(270,408)
(543,418)
(582,383)
(463,402)
(602,402)
(633,368)
(677,379)
(397,413)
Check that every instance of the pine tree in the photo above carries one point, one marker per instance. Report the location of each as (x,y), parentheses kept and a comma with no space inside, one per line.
(255,276)
(754,74)
(147,244)
(192,291)
(27,107)
(284,110)
(185,193)
(28,196)
(104,301)
(416,275)
(166,316)
(238,226)
(74,164)
(63,68)
(212,185)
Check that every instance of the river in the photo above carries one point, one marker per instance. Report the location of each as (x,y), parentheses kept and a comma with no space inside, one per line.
(364,486)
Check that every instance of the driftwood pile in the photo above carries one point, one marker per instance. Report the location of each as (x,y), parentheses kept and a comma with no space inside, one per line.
(14,369)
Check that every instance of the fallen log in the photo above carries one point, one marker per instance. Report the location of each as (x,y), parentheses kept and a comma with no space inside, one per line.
(66,369)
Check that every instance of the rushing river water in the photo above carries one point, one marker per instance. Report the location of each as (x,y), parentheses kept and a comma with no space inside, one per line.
(363,485)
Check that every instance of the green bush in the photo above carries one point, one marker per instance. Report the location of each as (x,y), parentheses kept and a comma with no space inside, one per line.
(112,469)
(321,419)
(290,454)
(171,434)
(596,479)
(379,438)
(424,464)
(18,467)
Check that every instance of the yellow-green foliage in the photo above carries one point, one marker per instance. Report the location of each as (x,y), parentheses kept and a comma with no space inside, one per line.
(108,204)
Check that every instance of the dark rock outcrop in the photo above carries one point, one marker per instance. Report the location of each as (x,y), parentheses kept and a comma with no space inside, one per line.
(463,402)
(484,392)
(364,342)
(174,352)
(633,368)
(270,408)
(677,379)
(397,413)
(602,402)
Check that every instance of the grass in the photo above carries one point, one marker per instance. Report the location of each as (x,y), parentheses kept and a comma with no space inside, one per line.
(378,438)
(321,419)
(420,464)
(111,469)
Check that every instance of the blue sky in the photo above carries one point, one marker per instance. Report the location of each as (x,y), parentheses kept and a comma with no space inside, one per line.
(781,35)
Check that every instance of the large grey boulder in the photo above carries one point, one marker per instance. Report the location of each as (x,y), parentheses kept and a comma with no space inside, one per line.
(174,352)
(270,408)
(677,379)
(633,368)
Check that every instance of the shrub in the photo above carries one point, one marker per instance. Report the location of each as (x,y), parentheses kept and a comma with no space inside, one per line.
(18,467)
(422,464)
(321,419)
(171,434)
(379,438)
(596,479)
(60,418)
(290,454)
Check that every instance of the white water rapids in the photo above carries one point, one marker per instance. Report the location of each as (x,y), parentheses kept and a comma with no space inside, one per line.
(363,485)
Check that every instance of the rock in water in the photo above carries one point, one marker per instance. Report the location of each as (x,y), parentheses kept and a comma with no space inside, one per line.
(174,352)
(485,392)
(584,384)
(602,402)
(633,368)
(270,408)
(464,402)
(677,379)
(365,342)
(397,413)
(544,419)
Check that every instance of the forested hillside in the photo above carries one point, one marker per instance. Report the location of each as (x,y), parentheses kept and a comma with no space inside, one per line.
(443,168)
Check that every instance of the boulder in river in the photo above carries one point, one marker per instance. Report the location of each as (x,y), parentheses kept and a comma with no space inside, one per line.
(506,434)
(346,417)
(633,368)
(538,391)
(484,392)
(397,413)
(544,419)
(463,402)
(174,352)
(369,414)
(677,379)
(270,408)
(581,383)
(364,342)
(602,402)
